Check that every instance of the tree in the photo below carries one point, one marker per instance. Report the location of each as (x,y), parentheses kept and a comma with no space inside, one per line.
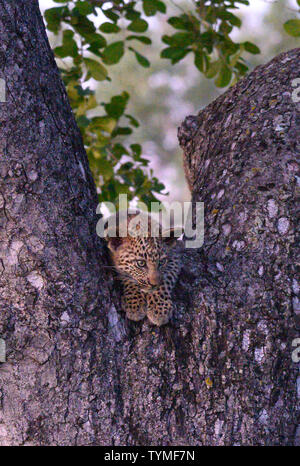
(76,371)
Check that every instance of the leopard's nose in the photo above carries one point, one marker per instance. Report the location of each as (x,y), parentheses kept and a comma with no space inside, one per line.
(154,279)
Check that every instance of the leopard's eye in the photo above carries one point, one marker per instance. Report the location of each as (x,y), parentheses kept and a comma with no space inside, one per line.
(141,263)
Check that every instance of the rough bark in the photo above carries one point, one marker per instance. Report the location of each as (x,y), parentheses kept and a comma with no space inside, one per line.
(53,295)
(78,373)
(240,158)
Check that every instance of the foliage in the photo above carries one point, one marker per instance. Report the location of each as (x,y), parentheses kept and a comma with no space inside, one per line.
(292,26)
(205,34)
(87,51)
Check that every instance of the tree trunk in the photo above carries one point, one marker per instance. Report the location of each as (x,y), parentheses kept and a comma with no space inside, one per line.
(53,294)
(240,158)
(77,373)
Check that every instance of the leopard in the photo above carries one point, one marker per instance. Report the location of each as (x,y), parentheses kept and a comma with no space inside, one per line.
(147,264)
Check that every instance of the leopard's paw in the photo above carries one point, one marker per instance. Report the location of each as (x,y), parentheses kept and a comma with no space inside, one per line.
(134,308)
(159,313)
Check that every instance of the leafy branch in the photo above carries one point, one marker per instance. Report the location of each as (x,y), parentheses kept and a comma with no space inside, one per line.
(87,52)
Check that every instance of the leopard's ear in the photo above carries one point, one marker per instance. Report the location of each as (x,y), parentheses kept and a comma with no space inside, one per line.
(111,233)
(170,236)
(113,243)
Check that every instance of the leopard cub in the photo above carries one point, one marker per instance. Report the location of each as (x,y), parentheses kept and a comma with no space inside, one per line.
(147,265)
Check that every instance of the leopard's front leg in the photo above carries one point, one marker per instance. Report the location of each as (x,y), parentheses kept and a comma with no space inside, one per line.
(159,301)
(133,302)
(159,305)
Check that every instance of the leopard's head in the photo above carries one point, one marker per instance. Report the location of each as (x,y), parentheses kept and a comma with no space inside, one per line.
(142,258)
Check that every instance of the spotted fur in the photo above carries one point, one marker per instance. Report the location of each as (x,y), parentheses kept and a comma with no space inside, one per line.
(148,268)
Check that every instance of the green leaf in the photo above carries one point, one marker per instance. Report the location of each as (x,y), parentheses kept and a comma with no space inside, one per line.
(139,177)
(234,59)
(224,76)
(143,39)
(116,107)
(152,6)
(250,47)
(131,14)
(82,91)
(136,148)
(54,17)
(158,187)
(118,150)
(113,53)
(105,168)
(138,25)
(213,69)
(110,14)
(133,121)
(69,47)
(207,39)
(83,25)
(62,52)
(103,123)
(180,22)
(109,28)
(96,39)
(149,7)
(180,39)
(97,70)
(161,6)
(226,15)
(241,67)
(122,131)
(83,8)
(175,54)
(201,61)
(292,27)
(82,121)
(142,60)
(99,132)
(225,28)
(97,42)
(229,48)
